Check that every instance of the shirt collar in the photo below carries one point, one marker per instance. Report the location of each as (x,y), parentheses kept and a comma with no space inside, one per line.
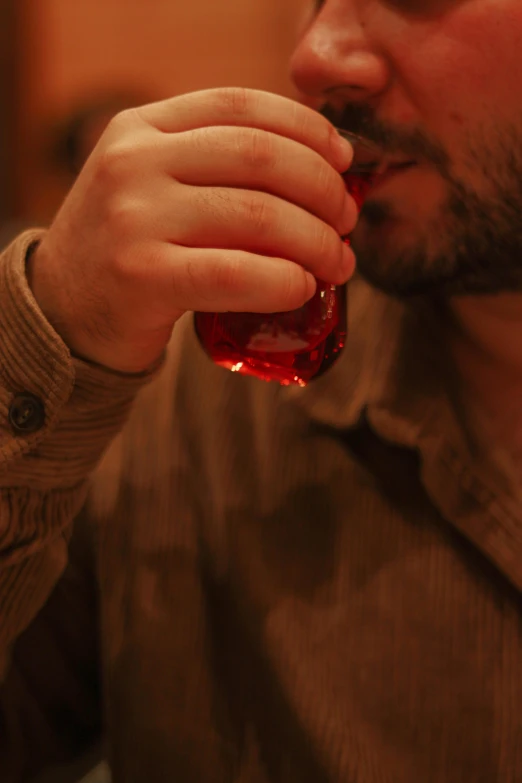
(394,373)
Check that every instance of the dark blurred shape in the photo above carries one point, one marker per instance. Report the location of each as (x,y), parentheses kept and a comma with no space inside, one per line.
(75,136)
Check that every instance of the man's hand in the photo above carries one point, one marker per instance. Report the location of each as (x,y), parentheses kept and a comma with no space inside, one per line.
(222,200)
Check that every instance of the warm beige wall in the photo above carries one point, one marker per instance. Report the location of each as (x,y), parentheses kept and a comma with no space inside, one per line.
(162,47)
(175,45)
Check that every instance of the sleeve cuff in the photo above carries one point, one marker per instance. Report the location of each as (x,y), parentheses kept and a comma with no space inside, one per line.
(84,405)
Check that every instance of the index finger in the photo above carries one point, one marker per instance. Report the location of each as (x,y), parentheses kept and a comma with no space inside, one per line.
(242,107)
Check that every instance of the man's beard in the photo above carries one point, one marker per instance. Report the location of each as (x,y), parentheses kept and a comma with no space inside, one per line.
(474,243)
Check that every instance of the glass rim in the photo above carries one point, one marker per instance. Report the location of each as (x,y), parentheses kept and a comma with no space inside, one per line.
(372,155)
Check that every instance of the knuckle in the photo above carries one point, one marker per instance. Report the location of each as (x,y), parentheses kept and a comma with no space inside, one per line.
(294,287)
(137,267)
(333,191)
(228,275)
(121,154)
(235,101)
(221,275)
(145,264)
(122,121)
(298,118)
(328,252)
(258,214)
(304,121)
(257,149)
(116,161)
(327,242)
(123,217)
(197,283)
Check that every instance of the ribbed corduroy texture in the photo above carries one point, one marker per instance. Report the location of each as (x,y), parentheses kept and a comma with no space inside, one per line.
(294,586)
(43,476)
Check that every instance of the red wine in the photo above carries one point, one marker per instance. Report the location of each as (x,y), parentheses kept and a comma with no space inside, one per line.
(292,347)
(358,186)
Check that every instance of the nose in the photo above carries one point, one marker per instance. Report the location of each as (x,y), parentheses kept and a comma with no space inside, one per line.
(337,59)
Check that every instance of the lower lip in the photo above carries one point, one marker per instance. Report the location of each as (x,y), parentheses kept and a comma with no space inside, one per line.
(361,186)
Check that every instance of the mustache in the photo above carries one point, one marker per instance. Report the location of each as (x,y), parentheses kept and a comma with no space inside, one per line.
(361,120)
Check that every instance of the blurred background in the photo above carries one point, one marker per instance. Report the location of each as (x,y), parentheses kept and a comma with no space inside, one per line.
(67,66)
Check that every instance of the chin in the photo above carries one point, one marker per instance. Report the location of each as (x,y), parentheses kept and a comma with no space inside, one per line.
(380,232)
(393,257)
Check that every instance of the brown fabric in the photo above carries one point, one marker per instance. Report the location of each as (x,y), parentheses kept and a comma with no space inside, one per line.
(265,585)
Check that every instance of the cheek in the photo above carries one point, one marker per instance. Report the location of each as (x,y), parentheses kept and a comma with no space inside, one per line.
(463,71)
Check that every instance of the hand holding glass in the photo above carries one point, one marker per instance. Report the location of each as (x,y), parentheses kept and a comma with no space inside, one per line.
(297,346)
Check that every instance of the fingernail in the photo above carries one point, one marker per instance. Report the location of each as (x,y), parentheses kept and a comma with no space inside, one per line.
(344,153)
(348,261)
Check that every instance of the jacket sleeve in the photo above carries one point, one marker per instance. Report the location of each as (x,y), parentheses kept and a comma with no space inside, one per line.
(57,416)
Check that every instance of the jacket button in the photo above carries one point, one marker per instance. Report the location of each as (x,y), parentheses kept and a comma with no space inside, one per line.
(26,413)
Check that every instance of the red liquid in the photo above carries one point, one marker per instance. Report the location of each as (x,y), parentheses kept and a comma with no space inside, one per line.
(291,347)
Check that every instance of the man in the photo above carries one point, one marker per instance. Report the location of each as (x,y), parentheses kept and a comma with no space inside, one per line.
(268,584)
